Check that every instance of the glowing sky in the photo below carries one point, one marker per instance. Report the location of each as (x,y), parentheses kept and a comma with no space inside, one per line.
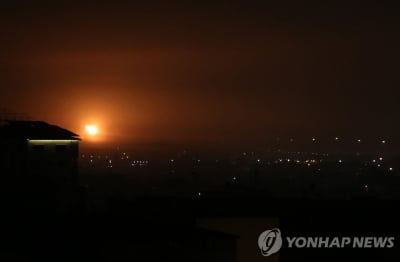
(236,72)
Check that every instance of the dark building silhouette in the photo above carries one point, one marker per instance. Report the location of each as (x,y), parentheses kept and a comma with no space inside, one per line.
(37,158)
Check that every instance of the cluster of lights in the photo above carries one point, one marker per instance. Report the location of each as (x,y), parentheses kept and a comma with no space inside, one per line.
(336,138)
(308,153)
(310,161)
(380,159)
(140,163)
(95,156)
(124,156)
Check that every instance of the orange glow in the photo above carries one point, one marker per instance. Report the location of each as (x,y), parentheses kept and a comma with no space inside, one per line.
(91,130)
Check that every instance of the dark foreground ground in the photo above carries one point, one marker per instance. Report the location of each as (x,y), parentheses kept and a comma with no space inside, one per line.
(179,229)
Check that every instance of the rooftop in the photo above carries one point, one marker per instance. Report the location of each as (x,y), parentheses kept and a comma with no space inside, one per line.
(34,130)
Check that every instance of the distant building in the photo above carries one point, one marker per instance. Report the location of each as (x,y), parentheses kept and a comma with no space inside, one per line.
(37,149)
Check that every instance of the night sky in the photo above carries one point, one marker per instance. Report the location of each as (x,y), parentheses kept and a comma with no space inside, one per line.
(231,72)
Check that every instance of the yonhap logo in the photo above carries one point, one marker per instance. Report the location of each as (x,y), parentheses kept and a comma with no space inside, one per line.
(270,241)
